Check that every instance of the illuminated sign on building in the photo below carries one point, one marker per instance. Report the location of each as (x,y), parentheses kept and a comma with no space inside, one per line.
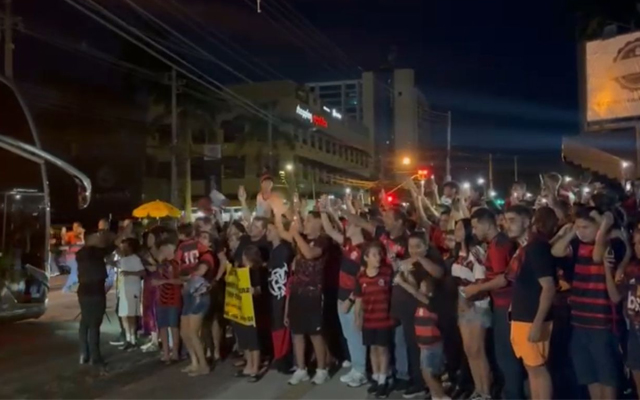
(336,114)
(317,120)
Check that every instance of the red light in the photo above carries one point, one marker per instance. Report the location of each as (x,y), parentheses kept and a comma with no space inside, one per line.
(423,172)
(389,199)
(319,121)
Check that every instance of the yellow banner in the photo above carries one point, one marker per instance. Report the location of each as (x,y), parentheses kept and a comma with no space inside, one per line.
(238,301)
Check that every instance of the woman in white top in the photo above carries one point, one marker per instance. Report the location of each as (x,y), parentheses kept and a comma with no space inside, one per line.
(474,314)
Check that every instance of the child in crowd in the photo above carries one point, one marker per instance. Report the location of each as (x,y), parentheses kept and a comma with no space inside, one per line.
(169,300)
(372,315)
(421,285)
(131,271)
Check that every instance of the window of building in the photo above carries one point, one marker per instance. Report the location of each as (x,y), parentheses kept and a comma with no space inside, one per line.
(305,139)
(334,149)
(312,139)
(232,131)
(320,144)
(233,167)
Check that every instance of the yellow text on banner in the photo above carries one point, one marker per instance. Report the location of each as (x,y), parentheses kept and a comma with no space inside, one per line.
(238,301)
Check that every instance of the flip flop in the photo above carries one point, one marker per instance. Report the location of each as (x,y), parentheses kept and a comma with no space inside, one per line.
(199,371)
(241,374)
(239,364)
(254,378)
(188,369)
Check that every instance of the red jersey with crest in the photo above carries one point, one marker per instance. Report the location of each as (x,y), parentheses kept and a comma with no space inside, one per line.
(190,254)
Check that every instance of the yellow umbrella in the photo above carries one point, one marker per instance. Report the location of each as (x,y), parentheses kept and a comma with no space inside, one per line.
(156,209)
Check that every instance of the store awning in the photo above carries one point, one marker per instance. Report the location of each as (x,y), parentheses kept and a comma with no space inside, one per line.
(574,151)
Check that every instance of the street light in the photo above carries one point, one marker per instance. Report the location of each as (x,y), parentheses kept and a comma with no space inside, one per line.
(492,193)
(347,190)
(406,161)
(625,164)
(466,185)
(480,181)
(289,167)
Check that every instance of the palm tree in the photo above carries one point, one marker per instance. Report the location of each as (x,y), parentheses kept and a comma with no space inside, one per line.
(196,114)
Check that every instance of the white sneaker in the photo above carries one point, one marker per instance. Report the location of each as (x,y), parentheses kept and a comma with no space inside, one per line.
(346,378)
(346,364)
(321,376)
(301,375)
(357,380)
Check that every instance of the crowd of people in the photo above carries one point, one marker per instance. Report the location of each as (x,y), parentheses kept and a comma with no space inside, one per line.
(448,294)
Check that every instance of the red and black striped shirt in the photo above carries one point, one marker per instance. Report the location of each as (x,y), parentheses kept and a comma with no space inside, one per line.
(375,295)
(349,268)
(169,294)
(590,304)
(427,331)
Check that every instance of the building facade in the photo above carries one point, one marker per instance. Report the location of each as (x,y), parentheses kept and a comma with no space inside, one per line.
(389,104)
(314,148)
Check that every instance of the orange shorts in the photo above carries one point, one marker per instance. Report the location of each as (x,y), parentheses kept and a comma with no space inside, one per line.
(532,354)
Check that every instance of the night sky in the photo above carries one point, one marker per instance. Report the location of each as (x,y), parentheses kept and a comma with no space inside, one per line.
(507,70)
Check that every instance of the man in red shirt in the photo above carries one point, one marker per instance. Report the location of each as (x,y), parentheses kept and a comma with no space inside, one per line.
(500,249)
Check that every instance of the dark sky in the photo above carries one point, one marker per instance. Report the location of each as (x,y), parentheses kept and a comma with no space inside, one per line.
(505,68)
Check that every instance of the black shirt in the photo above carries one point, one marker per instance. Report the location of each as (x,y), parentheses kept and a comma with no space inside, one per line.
(530,263)
(245,241)
(279,267)
(92,271)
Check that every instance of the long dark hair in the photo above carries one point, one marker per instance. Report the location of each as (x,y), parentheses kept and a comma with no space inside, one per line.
(469,240)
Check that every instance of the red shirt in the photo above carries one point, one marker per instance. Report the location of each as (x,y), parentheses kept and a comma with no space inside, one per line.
(169,294)
(438,238)
(375,294)
(189,253)
(499,253)
(349,268)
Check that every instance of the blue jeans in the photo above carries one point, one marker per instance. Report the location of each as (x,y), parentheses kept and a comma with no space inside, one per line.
(510,367)
(400,355)
(357,351)
(72,280)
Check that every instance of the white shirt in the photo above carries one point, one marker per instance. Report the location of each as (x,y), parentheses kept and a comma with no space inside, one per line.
(130,285)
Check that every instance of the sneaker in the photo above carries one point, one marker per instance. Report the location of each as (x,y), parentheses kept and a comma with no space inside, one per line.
(357,380)
(476,396)
(373,388)
(383,391)
(119,341)
(346,378)
(414,391)
(128,346)
(400,385)
(301,375)
(320,377)
(346,364)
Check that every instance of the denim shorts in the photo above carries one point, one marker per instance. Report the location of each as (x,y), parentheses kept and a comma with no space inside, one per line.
(475,315)
(596,356)
(432,359)
(168,316)
(195,305)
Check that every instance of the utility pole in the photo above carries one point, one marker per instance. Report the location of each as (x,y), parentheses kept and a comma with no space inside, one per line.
(490,171)
(8,40)
(187,177)
(448,166)
(174,138)
(515,168)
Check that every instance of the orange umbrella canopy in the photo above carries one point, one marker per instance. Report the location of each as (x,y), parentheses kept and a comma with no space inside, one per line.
(156,209)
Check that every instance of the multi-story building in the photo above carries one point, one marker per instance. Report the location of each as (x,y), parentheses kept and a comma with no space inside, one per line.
(314,147)
(388,103)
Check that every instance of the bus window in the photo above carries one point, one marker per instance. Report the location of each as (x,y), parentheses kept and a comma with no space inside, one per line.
(23,226)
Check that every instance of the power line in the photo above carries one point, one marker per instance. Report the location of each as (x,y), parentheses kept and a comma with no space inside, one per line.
(155,20)
(317,32)
(221,89)
(244,55)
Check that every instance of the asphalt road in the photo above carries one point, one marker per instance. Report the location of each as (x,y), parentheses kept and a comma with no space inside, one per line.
(39,359)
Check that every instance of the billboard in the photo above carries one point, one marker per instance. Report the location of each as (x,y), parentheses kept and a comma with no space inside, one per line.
(613,78)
